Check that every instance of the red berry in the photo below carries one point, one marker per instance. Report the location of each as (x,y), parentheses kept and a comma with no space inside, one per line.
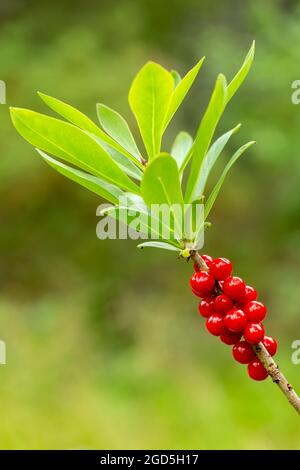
(235,320)
(270,344)
(221,268)
(234,287)
(202,283)
(197,293)
(207,259)
(206,307)
(230,338)
(196,267)
(250,294)
(254,333)
(222,304)
(256,370)
(243,352)
(256,311)
(215,324)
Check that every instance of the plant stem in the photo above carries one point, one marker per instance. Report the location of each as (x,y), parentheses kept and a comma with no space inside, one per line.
(277,376)
(264,357)
(199,261)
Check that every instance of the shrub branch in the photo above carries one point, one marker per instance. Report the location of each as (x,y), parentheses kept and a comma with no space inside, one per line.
(264,357)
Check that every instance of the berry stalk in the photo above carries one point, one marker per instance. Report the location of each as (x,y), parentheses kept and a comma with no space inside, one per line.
(264,364)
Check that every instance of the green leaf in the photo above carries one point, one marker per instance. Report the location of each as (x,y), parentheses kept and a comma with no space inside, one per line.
(204,135)
(163,245)
(151,225)
(149,98)
(212,156)
(238,79)
(92,183)
(116,126)
(127,215)
(71,114)
(70,143)
(135,201)
(79,119)
(176,77)
(194,220)
(161,183)
(213,195)
(199,237)
(181,146)
(123,162)
(180,92)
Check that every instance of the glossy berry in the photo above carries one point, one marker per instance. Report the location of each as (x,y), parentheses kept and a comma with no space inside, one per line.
(243,352)
(230,338)
(270,345)
(235,320)
(220,268)
(256,370)
(250,294)
(207,259)
(215,324)
(234,287)
(232,312)
(197,293)
(202,283)
(254,333)
(222,304)
(256,311)
(206,307)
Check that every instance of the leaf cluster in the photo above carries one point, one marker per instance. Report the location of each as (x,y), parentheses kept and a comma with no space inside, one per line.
(106,160)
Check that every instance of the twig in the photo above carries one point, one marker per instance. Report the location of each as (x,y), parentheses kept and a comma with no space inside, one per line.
(277,376)
(199,261)
(263,355)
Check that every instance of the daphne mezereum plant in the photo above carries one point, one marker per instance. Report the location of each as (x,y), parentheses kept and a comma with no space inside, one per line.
(107,161)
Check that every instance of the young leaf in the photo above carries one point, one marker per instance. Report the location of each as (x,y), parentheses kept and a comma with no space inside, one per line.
(79,119)
(127,215)
(194,223)
(176,77)
(199,235)
(241,74)
(149,98)
(180,92)
(70,143)
(128,166)
(131,207)
(212,156)
(213,195)
(149,225)
(163,245)
(161,184)
(92,183)
(116,126)
(134,201)
(181,146)
(204,135)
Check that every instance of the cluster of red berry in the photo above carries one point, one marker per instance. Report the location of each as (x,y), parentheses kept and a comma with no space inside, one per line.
(232,311)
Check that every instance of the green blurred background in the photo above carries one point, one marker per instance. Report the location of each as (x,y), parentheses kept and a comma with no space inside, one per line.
(105,348)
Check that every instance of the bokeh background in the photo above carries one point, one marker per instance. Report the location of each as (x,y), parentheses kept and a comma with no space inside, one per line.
(105,348)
